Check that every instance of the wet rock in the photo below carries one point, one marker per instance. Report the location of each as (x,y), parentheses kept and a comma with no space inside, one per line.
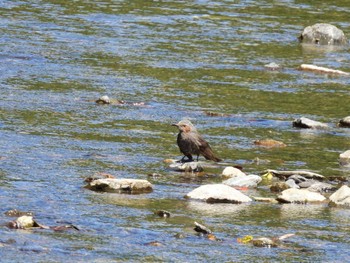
(341,196)
(287,174)
(269,143)
(231,171)
(323,34)
(201,229)
(345,122)
(103,100)
(307,183)
(23,222)
(344,158)
(154,244)
(300,196)
(132,186)
(321,187)
(272,66)
(279,187)
(162,213)
(264,242)
(292,184)
(187,166)
(250,181)
(218,193)
(64,228)
(306,123)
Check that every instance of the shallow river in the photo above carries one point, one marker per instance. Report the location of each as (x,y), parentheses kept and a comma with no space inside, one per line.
(181,59)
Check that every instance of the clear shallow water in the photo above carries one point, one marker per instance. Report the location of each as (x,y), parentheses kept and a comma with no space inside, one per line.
(182,59)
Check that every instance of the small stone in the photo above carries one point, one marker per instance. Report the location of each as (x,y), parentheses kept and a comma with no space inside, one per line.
(345,122)
(218,193)
(162,213)
(264,242)
(17,213)
(201,229)
(341,196)
(300,196)
(250,181)
(306,123)
(344,158)
(187,167)
(231,171)
(279,187)
(272,66)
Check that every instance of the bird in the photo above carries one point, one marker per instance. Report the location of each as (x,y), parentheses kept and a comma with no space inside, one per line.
(190,142)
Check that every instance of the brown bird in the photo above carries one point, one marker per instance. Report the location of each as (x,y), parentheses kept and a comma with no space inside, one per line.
(191,142)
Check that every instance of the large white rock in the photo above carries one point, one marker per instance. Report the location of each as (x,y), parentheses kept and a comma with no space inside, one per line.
(344,158)
(231,171)
(218,193)
(301,196)
(341,196)
(121,185)
(250,181)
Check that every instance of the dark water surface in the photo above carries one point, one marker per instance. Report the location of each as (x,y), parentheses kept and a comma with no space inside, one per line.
(182,58)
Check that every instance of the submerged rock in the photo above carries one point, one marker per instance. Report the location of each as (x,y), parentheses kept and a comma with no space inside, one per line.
(231,171)
(132,186)
(344,158)
(300,196)
(250,181)
(323,34)
(218,193)
(341,196)
(269,143)
(345,122)
(306,123)
(272,66)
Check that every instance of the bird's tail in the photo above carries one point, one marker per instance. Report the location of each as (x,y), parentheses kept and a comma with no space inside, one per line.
(209,155)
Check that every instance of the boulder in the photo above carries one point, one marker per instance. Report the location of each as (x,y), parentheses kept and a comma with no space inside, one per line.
(250,181)
(341,196)
(308,124)
(231,171)
(218,193)
(344,158)
(323,34)
(132,186)
(345,122)
(300,196)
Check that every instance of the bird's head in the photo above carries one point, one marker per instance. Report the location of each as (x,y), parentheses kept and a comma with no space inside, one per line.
(185,126)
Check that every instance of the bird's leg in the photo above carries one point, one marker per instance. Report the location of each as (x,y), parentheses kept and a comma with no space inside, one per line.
(197,157)
(189,159)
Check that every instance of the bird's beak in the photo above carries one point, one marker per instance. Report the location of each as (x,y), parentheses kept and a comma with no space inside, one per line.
(175,124)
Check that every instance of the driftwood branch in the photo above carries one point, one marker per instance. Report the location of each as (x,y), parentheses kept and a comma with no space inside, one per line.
(324,70)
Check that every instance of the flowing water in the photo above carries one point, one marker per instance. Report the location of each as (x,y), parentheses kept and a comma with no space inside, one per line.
(182,59)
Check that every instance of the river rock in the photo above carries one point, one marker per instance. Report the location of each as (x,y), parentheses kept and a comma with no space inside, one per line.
(308,124)
(218,193)
(297,178)
(321,187)
(279,187)
(300,196)
(132,186)
(323,34)
(250,181)
(292,184)
(231,171)
(103,100)
(341,196)
(344,158)
(187,166)
(345,122)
